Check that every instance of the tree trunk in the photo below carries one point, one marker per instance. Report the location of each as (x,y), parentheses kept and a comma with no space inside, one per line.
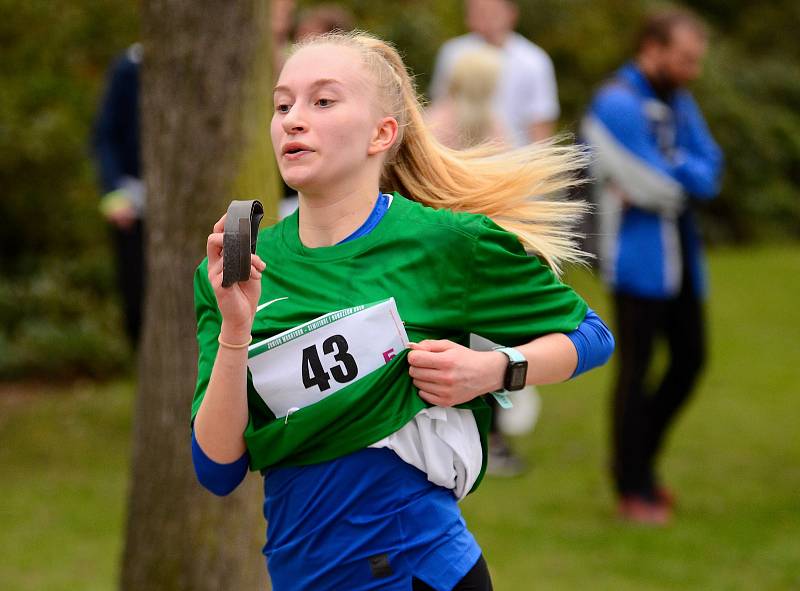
(205,103)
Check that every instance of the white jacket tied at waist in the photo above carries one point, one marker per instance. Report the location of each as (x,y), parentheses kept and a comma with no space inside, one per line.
(442,442)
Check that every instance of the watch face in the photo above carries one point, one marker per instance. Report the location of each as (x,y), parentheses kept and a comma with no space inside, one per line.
(517,372)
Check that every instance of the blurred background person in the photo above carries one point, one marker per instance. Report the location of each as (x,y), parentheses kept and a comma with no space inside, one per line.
(526,101)
(465,115)
(655,159)
(463,118)
(117,155)
(526,108)
(289,27)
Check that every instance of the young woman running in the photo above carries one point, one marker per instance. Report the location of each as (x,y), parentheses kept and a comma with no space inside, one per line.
(357,399)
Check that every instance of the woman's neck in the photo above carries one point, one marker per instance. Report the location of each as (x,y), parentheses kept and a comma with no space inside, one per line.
(327,219)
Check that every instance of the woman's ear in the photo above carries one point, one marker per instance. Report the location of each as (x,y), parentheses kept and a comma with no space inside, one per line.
(384,137)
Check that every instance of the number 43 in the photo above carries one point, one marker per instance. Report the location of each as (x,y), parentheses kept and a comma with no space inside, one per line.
(313,372)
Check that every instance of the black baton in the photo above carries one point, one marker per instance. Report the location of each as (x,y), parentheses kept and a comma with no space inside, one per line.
(239,240)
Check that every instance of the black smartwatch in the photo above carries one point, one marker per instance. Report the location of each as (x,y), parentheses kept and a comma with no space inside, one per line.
(516,370)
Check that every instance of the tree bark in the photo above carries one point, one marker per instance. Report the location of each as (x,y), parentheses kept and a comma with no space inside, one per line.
(204,107)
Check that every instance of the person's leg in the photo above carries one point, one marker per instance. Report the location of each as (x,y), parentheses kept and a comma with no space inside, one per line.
(477,579)
(129,247)
(638,320)
(501,461)
(685,332)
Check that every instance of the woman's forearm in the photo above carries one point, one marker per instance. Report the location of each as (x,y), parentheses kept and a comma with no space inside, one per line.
(447,374)
(222,417)
(551,359)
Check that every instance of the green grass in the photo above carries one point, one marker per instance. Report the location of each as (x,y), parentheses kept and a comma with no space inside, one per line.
(734,459)
(64,469)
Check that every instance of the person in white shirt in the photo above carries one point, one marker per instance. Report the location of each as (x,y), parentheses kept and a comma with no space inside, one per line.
(527,98)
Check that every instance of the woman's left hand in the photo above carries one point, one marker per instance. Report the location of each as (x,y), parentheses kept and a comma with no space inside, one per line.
(447,373)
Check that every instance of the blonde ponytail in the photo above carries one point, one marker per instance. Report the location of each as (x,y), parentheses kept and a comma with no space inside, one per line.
(518,189)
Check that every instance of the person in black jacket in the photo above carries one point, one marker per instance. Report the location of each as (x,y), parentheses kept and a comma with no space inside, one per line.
(116,149)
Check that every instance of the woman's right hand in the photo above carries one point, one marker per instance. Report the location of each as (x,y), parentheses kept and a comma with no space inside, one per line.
(236,303)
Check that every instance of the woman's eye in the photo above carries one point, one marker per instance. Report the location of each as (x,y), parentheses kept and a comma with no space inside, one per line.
(324,102)
(283,108)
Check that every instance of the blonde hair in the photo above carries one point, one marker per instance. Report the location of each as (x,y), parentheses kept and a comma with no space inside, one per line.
(471,88)
(518,189)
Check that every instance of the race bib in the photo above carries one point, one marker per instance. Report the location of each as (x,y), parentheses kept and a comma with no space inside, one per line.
(310,362)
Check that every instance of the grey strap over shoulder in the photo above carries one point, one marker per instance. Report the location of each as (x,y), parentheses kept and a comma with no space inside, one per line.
(239,240)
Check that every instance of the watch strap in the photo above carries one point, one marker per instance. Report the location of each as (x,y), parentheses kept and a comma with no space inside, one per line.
(502,395)
(503,399)
(511,353)
(514,356)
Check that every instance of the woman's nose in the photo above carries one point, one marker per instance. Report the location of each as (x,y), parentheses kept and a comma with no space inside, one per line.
(294,120)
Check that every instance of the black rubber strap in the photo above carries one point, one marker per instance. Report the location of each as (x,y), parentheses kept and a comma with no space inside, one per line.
(239,241)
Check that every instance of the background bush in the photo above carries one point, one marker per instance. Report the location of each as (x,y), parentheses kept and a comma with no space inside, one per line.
(58,313)
(57,297)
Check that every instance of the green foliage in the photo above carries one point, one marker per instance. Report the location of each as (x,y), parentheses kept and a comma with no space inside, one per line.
(54,60)
(753,108)
(61,322)
(57,313)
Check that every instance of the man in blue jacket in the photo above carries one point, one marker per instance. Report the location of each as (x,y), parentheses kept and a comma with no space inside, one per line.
(654,158)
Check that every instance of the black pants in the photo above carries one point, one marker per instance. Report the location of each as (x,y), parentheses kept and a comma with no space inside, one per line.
(129,251)
(642,414)
(477,579)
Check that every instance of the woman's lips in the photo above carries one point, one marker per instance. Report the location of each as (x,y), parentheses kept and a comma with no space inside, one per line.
(296,155)
(295,150)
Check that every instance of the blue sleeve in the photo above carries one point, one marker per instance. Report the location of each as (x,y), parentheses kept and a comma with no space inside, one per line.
(623,116)
(593,342)
(700,155)
(220,479)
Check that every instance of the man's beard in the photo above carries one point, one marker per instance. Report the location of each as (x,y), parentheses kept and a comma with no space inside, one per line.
(663,83)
